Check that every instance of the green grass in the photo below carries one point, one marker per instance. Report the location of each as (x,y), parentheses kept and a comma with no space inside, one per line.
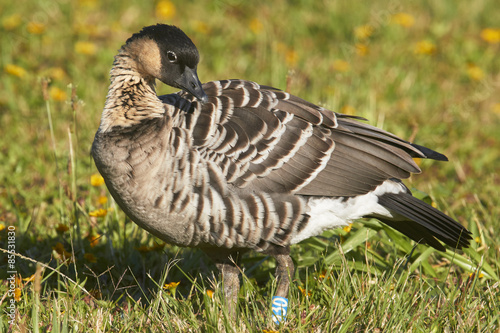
(367,279)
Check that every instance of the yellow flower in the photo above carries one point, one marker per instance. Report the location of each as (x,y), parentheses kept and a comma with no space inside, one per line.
(96,180)
(341,66)
(17,294)
(291,58)
(88,3)
(471,275)
(403,19)
(93,239)
(322,275)
(347,228)
(90,257)
(14,70)
(98,213)
(86,48)
(11,22)
(349,110)
(165,10)
(201,27)
(57,94)
(210,293)
(29,278)
(36,28)
(475,72)
(56,73)
(363,31)
(496,108)
(304,292)
(434,204)
(144,249)
(171,285)
(59,248)
(2,226)
(425,47)
(361,49)
(491,35)
(417,160)
(256,26)
(102,200)
(62,228)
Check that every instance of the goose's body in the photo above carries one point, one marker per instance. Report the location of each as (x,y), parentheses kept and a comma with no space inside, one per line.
(231,165)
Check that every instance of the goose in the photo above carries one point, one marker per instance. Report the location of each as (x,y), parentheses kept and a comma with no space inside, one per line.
(232,166)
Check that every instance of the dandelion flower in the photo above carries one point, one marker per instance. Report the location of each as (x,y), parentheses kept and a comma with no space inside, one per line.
(165,10)
(490,35)
(90,257)
(496,108)
(304,292)
(349,110)
(291,58)
(14,70)
(36,28)
(361,49)
(57,94)
(2,226)
(403,19)
(29,278)
(85,48)
(93,239)
(256,26)
(425,47)
(59,249)
(472,275)
(62,228)
(11,22)
(56,73)
(88,3)
(96,180)
(171,285)
(363,31)
(341,66)
(210,293)
(102,200)
(201,27)
(17,294)
(347,228)
(98,213)
(475,72)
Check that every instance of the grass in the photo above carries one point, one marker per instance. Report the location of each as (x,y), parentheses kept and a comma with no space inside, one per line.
(431,76)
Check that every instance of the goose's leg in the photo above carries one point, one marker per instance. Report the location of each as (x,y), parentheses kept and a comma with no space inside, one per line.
(284,270)
(227,261)
(229,273)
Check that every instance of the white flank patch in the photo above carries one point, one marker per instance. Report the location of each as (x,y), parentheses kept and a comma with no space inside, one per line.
(329,213)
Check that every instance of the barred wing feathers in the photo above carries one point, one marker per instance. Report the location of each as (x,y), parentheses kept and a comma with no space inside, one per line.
(265,139)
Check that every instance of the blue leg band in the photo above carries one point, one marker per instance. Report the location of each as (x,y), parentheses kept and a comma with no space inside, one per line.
(280,309)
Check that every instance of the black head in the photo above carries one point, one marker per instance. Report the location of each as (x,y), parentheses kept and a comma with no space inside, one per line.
(166,53)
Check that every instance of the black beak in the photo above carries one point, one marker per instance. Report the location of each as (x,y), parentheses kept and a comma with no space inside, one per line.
(189,82)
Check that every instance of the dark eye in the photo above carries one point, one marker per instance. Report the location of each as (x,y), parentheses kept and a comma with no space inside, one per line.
(171,56)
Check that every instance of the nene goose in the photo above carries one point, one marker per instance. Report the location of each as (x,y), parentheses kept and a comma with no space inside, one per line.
(231,166)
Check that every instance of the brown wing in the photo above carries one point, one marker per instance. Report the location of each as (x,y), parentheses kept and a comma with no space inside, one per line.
(266,139)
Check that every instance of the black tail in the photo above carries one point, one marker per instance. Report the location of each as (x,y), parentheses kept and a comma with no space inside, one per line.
(425,223)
